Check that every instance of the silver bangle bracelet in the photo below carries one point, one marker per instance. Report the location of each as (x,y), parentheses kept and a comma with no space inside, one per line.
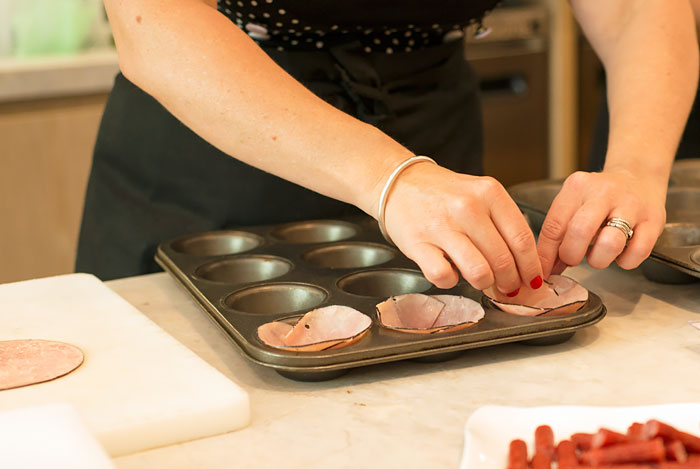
(387,187)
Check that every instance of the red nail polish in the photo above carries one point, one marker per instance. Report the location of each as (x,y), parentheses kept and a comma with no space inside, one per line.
(513,293)
(536,282)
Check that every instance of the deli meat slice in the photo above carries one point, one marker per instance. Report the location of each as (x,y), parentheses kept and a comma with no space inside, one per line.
(560,295)
(426,314)
(321,329)
(458,310)
(25,362)
(329,323)
(273,333)
(410,311)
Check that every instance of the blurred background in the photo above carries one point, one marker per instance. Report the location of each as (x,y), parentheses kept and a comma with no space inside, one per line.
(540,85)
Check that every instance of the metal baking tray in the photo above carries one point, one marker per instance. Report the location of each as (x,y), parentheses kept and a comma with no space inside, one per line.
(675,257)
(686,172)
(534,198)
(247,277)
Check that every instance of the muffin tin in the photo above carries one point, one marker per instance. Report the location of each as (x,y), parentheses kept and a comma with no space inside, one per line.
(534,198)
(247,277)
(676,255)
(686,172)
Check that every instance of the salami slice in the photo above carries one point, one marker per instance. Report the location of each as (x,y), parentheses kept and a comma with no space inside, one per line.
(26,362)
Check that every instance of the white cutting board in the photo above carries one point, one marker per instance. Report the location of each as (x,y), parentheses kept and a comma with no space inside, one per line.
(55,428)
(138,387)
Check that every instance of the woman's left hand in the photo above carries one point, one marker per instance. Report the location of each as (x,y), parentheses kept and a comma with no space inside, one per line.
(575,224)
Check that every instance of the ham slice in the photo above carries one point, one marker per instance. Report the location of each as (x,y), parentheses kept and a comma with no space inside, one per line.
(273,333)
(412,311)
(458,310)
(559,296)
(425,314)
(321,329)
(26,362)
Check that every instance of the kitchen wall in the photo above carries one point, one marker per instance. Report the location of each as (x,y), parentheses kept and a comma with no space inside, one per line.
(57,64)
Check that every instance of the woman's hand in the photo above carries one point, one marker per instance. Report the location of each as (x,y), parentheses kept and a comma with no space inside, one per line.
(575,224)
(649,50)
(452,224)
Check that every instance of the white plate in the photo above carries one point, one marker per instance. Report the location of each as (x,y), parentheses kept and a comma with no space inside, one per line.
(490,429)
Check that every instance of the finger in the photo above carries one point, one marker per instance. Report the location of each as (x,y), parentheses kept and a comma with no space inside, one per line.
(559,267)
(516,232)
(583,227)
(640,246)
(436,268)
(489,242)
(607,246)
(554,228)
(469,260)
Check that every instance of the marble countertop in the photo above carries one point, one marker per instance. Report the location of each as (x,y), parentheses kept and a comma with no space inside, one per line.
(411,415)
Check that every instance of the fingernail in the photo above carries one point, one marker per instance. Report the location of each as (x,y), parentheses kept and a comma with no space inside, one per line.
(513,293)
(536,282)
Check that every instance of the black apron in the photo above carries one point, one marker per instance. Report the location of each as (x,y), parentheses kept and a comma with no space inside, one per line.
(688,147)
(153,179)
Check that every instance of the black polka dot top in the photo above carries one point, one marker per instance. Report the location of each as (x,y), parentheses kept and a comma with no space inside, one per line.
(387,26)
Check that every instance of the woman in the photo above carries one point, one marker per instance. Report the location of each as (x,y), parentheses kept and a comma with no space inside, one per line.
(378,82)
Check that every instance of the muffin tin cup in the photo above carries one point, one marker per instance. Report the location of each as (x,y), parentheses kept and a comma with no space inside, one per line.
(315,231)
(216,243)
(349,255)
(241,269)
(695,256)
(239,304)
(671,260)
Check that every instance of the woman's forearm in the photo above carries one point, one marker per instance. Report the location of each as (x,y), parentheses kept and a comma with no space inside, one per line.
(217,81)
(650,54)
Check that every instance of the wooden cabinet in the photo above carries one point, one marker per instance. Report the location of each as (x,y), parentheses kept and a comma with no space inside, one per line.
(45,155)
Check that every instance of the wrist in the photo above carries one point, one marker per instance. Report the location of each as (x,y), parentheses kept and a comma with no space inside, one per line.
(357,167)
(657,174)
(379,173)
(388,186)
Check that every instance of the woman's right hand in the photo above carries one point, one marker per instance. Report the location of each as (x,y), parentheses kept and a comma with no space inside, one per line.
(452,224)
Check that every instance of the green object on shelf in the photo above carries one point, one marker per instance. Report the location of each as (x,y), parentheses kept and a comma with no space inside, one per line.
(44,27)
